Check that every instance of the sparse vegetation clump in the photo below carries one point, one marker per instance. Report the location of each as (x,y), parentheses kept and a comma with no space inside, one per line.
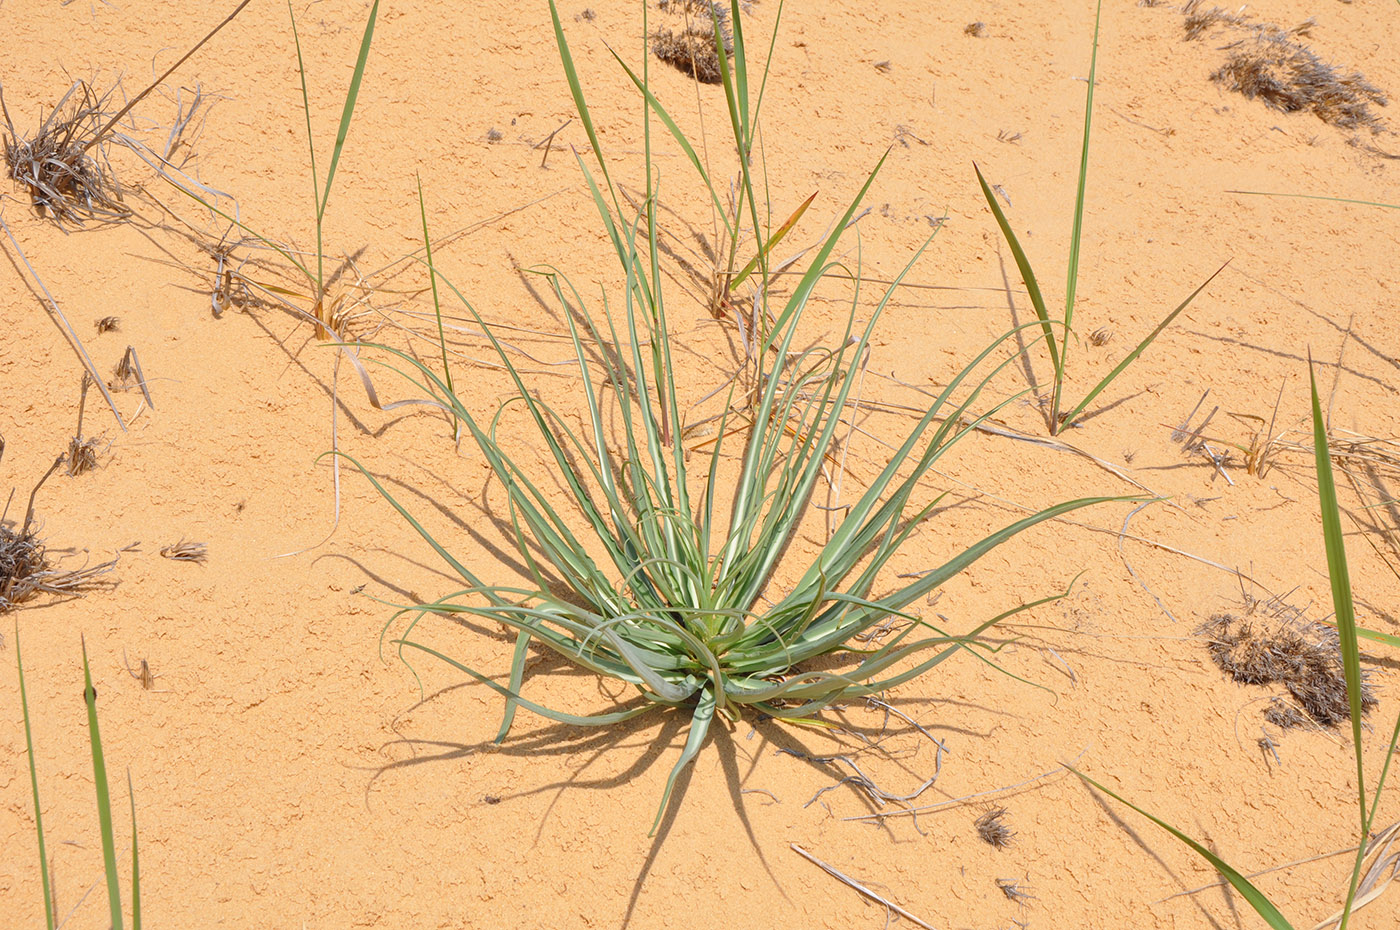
(1304,657)
(692,48)
(1271,65)
(63,166)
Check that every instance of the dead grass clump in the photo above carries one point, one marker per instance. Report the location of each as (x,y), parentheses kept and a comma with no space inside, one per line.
(186,552)
(992,830)
(1198,21)
(24,566)
(22,563)
(1289,77)
(63,166)
(1304,657)
(1272,65)
(692,49)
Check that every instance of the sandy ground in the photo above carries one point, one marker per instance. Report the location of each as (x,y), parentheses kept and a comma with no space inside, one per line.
(288,775)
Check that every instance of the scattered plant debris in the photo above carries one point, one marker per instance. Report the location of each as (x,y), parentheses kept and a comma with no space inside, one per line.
(141,673)
(1013,890)
(692,48)
(1284,716)
(109,324)
(186,551)
(976,30)
(1006,135)
(993,830)
(1282,647)
(82,453)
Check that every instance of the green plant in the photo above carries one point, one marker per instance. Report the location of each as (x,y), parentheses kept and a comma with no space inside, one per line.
(1345,616)
(322,312)
(683,605)
(1059,353)
(104,807)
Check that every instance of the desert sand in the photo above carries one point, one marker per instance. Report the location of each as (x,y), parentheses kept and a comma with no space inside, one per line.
(289,772)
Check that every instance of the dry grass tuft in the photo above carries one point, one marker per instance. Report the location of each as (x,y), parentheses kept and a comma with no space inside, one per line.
(692,49)
(1289,77)
(186,552)
(1272,65)
(24,566)
(992,830)
(63,166)
(1304,657)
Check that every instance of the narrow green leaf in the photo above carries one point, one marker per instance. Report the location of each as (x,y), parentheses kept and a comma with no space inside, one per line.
(135,860)
(699,727)
(1133,355)
(517,676)
(1076,233)
(349,109)
(1262,905)
(1023,264)
(437,305)
(34,785)
(1344,613)
(104,799)
(1344,610)
(1363,203)
(575,88)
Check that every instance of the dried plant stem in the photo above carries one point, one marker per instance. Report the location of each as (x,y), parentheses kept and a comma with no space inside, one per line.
(98,137)
(846,879)
(67,327)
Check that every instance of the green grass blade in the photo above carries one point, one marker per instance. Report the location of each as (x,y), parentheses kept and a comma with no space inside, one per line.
(1262,905)
(437,305)
(741,71)
(1364,203)
(576,89)
(135,860)
(306,111)
(1344,609)
(596,720)
(1023,264)
(1133,355)
(1373,635)
(104,798)
(517,676)
(1344,612)
(699,728)
(34,785)
(680,138)
(349,109)
(1076,233)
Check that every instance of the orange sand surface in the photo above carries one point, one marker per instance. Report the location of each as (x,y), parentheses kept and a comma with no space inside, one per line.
(289,773)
